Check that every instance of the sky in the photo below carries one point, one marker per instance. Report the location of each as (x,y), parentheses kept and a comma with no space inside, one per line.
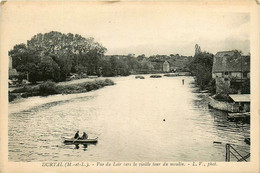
(124,28)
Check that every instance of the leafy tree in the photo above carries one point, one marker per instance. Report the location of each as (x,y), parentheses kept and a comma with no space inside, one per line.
(225,90)
(65,64)
(201,67)
(122,68)
(114,66)
(133,63)
(49,69)
(105,67)
(197,49)
(24,60)
(141,57)
(55,51)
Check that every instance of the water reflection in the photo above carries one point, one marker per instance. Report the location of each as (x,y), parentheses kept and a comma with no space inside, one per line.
(85,146)
(76,146)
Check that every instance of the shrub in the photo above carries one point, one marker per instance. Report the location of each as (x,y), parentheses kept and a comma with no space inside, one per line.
(109,82)
(91,86)
(20,90)
(11,97)
(48,88)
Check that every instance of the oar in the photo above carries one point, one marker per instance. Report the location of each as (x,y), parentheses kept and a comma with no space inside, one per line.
(75,140)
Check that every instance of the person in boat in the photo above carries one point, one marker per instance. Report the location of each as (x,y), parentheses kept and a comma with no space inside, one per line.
(84,136)
(76,135)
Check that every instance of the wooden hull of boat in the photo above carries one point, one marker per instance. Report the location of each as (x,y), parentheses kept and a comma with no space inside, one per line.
(239,115)
(245,117)
(80,141)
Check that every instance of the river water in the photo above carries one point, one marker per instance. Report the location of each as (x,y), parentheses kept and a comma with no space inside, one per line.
(127,118)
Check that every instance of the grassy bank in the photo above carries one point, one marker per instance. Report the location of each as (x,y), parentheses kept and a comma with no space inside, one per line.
(51,88)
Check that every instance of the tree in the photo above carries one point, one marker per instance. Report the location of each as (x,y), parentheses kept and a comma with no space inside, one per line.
(66,53)
(114,68)
(23,57)
(49,69)
(225,90)
(197,49)
(201,67)
(141,57)
(65,64)
(122,67)
(105,67)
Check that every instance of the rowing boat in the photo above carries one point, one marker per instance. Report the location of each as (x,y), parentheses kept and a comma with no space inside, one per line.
(240,115)
(80,141)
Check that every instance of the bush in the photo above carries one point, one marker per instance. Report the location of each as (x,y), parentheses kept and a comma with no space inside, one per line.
(105,82)
(20,90)
(109,82)
(48,88)
(91,86)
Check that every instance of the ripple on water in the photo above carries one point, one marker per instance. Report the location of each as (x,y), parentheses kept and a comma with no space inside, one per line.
(127,118)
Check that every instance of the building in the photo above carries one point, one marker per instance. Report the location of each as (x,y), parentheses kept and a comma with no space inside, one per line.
(242,101)
(231,69)
(166,66)
(12,72)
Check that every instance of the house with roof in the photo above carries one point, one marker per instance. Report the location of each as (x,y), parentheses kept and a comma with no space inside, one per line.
(166,66)
(242,101)
(230,68)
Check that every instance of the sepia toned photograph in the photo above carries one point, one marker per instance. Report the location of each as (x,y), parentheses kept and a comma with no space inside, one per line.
(128,82)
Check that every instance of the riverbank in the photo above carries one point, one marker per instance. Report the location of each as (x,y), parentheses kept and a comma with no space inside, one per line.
(51,88)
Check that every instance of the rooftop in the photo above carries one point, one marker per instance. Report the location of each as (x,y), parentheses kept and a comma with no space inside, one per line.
(230,61)
(240,97)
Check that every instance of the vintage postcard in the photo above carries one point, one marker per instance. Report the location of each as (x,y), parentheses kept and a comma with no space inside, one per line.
(130,86)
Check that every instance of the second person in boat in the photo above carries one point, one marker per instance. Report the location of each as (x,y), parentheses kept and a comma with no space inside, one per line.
(84,136)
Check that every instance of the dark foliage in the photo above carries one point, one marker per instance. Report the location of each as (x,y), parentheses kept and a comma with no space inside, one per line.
(53,55)
(201,68)
(48,88)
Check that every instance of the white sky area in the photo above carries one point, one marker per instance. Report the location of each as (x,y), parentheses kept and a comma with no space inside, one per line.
(148,29)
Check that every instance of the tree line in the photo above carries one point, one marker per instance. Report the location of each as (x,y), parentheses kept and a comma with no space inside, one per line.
(55,55)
